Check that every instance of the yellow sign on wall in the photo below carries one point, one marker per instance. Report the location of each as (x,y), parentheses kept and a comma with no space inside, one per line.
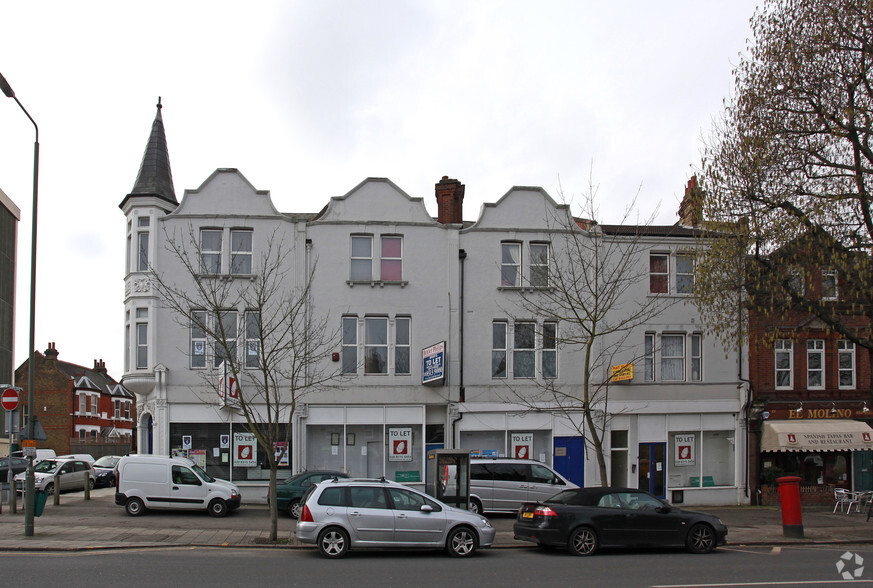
(622,373)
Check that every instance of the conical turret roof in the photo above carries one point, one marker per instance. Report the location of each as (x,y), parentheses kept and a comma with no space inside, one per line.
(155,178)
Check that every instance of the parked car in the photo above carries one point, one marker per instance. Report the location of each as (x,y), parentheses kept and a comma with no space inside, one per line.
(504,484)
(585,519)
(343,514)
(104,469)
(290,491)
(160,481)
(57,474)
(19,464)
(83,456)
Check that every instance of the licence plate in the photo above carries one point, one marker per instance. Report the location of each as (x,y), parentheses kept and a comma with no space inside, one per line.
(527,515)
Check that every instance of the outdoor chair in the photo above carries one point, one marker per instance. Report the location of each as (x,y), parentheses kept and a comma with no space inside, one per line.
(844,499)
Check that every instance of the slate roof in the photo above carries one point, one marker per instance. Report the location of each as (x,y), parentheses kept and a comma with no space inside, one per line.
(155,178)
(90,379)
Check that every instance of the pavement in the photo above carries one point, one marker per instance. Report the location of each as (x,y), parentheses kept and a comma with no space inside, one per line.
(77,524)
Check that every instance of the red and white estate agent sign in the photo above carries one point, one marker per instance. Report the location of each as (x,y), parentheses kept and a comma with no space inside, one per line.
(244,450)
(522,445)
(400,444)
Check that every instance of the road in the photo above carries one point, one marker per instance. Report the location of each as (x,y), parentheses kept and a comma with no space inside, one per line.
(265,567)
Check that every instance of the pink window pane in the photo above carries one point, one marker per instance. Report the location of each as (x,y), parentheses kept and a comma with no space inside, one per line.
(392,270)
(391,247)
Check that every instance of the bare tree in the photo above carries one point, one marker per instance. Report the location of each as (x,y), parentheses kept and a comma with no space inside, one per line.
(285,344)
(592,275)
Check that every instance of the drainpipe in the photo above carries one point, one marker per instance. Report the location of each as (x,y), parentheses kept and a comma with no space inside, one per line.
(462,256)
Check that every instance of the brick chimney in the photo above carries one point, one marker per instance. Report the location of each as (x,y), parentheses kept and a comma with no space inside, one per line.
(51,353)
(450,200)
(99,366)
(691,208)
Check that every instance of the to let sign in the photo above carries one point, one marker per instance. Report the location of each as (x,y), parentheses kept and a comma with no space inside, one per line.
(10,399)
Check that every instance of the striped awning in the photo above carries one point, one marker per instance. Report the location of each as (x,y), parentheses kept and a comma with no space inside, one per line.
(816,435)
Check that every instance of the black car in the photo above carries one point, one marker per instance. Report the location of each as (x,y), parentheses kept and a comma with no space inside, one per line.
(289,492)
(585,519)
(104,471)
(19,464)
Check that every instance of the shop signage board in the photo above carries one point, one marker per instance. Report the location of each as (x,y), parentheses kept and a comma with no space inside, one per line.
(244,450)
(522,445)
(622,373)
(400,444)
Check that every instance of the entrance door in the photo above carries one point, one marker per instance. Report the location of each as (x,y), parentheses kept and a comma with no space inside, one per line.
(653,468)
(569,458)
(375,469)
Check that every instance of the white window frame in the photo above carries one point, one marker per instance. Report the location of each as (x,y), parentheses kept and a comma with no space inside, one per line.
(540,263)
(499,351)
(653,256)
(696,355)
(229,322)
(374,328)
(402,345)
(83,403)
(349,348)
(846,350)
(508,265)
(384,258)
(649,357)
(815,348)
(211,258)
(241,252)
(684,275)
(142,244)
(783,347)
(677,359)
(521,348)
(199,341)
(549,351)
(252,344)
(358,261)
(141,344)
(829,274)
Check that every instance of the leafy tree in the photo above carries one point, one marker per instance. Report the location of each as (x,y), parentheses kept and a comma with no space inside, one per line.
(787,171)
(286,345)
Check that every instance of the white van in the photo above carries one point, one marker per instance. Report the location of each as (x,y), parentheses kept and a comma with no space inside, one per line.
(156,481)
(41,454)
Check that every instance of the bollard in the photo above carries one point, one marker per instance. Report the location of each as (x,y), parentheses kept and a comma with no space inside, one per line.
(57,494)
(87,484)
(789,497)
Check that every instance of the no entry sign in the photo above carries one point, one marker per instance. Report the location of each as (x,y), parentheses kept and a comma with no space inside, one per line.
(10,399)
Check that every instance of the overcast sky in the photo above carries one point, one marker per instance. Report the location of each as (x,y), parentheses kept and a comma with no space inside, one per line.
(308,98)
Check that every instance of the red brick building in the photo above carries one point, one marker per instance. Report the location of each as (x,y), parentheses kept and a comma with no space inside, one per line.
(811,396)
(81,410)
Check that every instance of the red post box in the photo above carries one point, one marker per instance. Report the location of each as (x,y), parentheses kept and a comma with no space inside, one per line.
(789,496)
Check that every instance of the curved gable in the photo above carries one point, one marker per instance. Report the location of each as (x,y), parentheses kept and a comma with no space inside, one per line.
(376,200)
(226,193)
(530,207)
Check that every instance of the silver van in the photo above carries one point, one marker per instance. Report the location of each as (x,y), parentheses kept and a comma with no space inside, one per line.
(503,484)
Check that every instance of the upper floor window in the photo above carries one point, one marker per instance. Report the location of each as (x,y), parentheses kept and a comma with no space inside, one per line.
(350,345)
(210,250)
(376,346)
(696,357)
(510,264)
(386,345)
(241,251)
(253,340)
(362,258)
(846,363)
(815,363)
(223,346)
(673,358)
(649,357)
(198,339)
(659,273)
(784,351)
(142,244)
(142,338)
(539,265)
(402,353)
(795,280)
(532,352)
(684,274)
(829,284)
(226,332)
(391,269)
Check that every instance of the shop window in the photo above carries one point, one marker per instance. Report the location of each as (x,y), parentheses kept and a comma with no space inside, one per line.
(618,458)
(815,363)
(846,363)
(784,350)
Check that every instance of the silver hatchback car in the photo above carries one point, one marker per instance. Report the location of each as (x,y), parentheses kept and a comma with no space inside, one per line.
(343,514)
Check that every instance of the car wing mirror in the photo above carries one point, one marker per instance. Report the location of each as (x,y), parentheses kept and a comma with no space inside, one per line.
(664,509)
(426,508)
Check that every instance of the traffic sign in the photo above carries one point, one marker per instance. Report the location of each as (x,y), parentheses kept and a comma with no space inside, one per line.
(10,399)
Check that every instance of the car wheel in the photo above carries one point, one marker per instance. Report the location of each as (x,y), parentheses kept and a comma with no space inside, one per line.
(333,543)
(583,541)
(90,484)
(134,507)
(294,509)
(50,489)
(700,539)
(475,506)
(462,542)
(218,508)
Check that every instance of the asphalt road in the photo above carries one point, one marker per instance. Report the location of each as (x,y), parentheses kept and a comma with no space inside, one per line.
(214,567)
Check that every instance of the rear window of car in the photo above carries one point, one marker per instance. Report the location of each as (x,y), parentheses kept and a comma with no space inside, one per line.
(332,497)
(571,497)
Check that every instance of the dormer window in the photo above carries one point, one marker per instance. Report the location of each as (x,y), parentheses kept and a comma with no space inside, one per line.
(829,284)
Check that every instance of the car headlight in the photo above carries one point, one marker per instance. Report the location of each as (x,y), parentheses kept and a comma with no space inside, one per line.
(486,522)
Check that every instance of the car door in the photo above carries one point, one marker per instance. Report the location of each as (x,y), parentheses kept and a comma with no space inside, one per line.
(482,484)
(186,489)
(371,520)
(612,519)
(651,520)
(82,469)
(65,477)
(412,525)
(510,485)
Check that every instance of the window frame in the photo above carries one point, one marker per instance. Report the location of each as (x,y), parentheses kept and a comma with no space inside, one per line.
(251,340)
(239,256)
(213,255)
(678,359)
(786,347)
(528,330)
(649,357)
(696,358)
(390,260)
(815,348)
(659,275)
(401,345)
(539,267)
(846,348)
(349,346)
(510,264)
(684,279)
(830,274)
(497,352)
(371,345)
(362,260)
(142,244)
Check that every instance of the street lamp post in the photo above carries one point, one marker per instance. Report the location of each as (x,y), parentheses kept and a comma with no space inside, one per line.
(29,484)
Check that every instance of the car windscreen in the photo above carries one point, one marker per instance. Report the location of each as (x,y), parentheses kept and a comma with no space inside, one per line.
(106,462)
(202,473)
(46,466)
